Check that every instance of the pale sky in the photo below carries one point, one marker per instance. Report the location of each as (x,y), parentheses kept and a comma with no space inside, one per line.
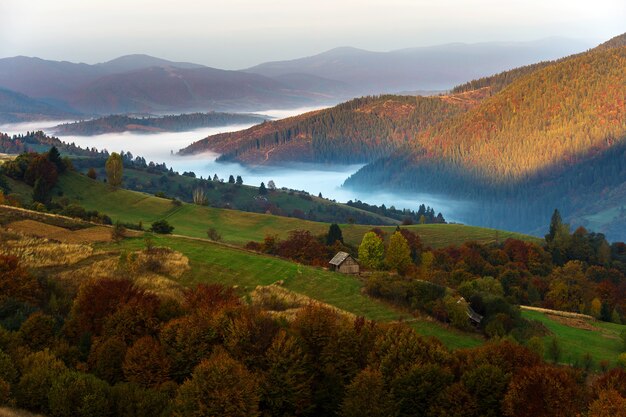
(235,34)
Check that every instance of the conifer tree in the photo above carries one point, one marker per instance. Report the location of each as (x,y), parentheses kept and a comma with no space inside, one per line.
(334,234)
(555,224)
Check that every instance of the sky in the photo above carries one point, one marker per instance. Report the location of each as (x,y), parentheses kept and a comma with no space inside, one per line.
(235,34)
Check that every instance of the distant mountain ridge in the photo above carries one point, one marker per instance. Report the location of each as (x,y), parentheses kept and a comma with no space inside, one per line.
(437,67)
(16,107)
(170,123)
(141,83)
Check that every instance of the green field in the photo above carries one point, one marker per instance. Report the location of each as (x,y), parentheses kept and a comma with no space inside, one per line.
(215,263)
(238,227)
(602,343)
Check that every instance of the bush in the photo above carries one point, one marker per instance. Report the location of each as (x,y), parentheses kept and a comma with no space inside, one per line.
(213,234)
(79,394)
(162,227)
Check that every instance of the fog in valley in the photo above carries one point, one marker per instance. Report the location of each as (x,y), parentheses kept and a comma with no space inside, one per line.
(313,178)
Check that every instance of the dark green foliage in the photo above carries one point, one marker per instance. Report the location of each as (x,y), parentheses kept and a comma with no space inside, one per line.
(77,394)
(55,157)
(556,223)
(131,400)
(41,192)
(334,234)
(172,123)
(415,391)
(162,226)
(262,189)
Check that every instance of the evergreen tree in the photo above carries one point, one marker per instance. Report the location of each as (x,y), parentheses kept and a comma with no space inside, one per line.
(41,192)
(334,234)
(55,157)
(239,180)
(555,224)
(262,189)
(231,179)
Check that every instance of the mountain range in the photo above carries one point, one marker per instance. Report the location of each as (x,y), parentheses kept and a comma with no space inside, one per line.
(514,145)
(145,84)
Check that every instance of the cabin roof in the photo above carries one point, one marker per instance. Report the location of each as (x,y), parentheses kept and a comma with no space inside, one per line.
(339,258)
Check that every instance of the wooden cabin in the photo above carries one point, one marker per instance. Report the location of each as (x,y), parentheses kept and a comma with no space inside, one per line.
(473,316)
(344,263)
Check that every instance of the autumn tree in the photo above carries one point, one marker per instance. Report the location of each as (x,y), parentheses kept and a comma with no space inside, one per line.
(371,251)
(78,394)
(114,167)
(416,390)
(91,173)
(367,396)
(145,363)
(286,386)
(398,256)
(220,386)
(17,283)
(543,391)
(608,404)
(186,341)
(106,359)
(39,371)
(38,331)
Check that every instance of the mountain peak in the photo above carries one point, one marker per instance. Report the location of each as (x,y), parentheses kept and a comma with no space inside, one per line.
(139,61)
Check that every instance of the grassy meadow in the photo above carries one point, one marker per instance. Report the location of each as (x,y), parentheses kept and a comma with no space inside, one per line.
(216,263)
(238,227)
(600,339)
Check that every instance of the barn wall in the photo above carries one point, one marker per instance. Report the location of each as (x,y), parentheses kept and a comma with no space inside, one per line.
(349,266)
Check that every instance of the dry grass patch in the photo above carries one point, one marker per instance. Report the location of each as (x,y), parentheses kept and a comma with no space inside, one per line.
(161,261)
(48,231)
(13,412)
(281,302)
(36,252)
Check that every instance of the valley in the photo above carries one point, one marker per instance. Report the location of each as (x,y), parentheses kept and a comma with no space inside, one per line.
(248,219)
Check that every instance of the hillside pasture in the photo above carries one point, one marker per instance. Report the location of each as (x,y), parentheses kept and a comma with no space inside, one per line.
(237,227)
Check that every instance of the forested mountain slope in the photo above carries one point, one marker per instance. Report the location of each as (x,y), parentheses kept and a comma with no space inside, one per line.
(544,137)
(360,130)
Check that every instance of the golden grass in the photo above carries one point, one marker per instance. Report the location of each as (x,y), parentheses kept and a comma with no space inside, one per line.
(13,412)
(558,313)
(48,231)
(36,252)
(281,302)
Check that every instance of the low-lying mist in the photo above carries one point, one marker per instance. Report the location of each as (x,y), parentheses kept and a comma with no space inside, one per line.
(313,178)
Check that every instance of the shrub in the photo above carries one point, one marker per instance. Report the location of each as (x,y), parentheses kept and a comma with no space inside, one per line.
(162,227)
(77,394)
(213,234)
